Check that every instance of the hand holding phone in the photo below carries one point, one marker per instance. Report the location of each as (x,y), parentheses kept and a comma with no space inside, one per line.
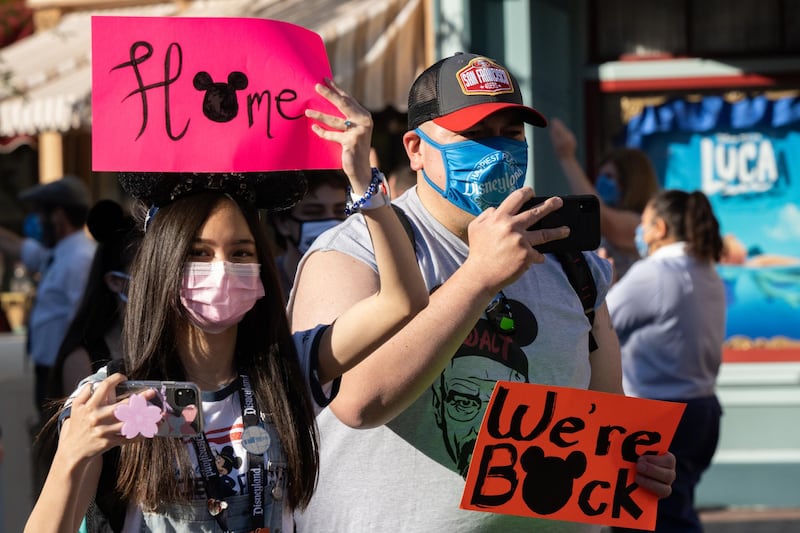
(159,409)
(581,213)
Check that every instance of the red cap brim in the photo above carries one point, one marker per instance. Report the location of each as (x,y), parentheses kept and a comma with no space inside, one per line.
(465,118)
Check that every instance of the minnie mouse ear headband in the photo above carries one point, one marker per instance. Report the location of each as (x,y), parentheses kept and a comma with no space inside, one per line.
(262,190)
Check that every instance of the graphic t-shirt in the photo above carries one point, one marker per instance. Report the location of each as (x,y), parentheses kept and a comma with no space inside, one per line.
(408,475)
(222,415)
(223,427)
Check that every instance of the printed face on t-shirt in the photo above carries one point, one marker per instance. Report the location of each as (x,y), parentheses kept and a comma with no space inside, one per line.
(461,398)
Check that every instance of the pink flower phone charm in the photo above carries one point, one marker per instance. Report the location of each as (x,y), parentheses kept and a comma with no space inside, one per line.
(138,417)
(160,409)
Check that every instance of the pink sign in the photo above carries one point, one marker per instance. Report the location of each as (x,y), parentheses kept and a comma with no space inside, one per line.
(172,94)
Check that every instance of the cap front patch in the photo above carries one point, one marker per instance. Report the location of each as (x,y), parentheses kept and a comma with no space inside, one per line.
(483,76)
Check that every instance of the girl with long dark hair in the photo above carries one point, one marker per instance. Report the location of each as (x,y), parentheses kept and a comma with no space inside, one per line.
(205,305)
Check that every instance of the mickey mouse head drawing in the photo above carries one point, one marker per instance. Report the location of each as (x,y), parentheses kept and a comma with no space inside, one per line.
(548,485)
(220,103)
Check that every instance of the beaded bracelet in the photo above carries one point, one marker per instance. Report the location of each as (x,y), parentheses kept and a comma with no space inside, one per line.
(376,195)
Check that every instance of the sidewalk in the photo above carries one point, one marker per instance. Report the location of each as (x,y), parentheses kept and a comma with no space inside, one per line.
(752,520)
(16,399)
(748,520)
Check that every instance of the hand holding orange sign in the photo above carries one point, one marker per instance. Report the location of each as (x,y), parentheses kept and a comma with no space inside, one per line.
(567,454)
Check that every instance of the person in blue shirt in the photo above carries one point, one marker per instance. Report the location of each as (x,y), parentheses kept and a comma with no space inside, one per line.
(61,254)
(669,313)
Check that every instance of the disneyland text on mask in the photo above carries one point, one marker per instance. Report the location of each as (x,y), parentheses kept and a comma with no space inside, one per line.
(567,454)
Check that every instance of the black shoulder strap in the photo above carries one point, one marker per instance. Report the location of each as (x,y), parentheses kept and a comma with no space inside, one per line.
(107,498)
(580,277)
(575,267)
(406,223)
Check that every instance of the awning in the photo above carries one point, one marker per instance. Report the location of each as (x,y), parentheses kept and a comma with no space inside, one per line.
(376,48)
(49,73)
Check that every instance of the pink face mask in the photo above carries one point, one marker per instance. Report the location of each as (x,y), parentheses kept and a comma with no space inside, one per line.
(218,294)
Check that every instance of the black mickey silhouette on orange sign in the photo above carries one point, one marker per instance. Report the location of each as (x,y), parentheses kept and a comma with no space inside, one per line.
(548,484)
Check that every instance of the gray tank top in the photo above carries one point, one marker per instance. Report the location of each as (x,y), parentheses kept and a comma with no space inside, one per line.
(408,475)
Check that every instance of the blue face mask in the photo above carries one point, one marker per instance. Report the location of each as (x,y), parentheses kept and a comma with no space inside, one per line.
(480,174)
(607,189)
(32,227)
(642,247)
(311,229)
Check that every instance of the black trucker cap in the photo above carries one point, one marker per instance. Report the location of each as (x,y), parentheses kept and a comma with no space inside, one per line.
(459,91)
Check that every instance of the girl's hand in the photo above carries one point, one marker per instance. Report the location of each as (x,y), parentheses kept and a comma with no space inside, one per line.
(92,428)
(353,132)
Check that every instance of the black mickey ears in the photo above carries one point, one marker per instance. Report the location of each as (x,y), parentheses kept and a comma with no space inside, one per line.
(220,103)
(265,190)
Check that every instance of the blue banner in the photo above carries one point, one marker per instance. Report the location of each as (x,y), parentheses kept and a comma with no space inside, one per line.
(745,157)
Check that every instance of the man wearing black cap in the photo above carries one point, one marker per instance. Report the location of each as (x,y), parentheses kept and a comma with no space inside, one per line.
(62,256)
(466,141)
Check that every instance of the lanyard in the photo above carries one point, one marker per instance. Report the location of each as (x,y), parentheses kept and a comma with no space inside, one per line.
(256,441)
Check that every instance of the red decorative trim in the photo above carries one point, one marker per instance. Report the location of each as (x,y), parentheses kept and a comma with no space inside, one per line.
(691,83)
(9,144)
(761,355)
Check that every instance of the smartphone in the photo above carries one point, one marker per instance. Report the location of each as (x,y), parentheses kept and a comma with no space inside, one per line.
(179,401)
(581,213)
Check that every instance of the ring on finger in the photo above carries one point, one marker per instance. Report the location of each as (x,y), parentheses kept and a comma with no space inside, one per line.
(348,124)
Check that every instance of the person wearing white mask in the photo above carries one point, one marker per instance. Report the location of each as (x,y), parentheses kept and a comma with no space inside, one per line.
(296,229)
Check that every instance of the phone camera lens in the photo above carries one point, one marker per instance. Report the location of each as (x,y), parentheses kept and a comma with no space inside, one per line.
(184,397)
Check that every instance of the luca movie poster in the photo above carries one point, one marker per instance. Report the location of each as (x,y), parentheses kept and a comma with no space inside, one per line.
(744,154)
(567,454)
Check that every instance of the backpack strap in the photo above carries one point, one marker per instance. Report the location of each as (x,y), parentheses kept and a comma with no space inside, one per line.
(580,277)
(406,223)
(574,265)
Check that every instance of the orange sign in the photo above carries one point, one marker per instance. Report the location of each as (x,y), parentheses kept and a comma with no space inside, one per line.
(567,454)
